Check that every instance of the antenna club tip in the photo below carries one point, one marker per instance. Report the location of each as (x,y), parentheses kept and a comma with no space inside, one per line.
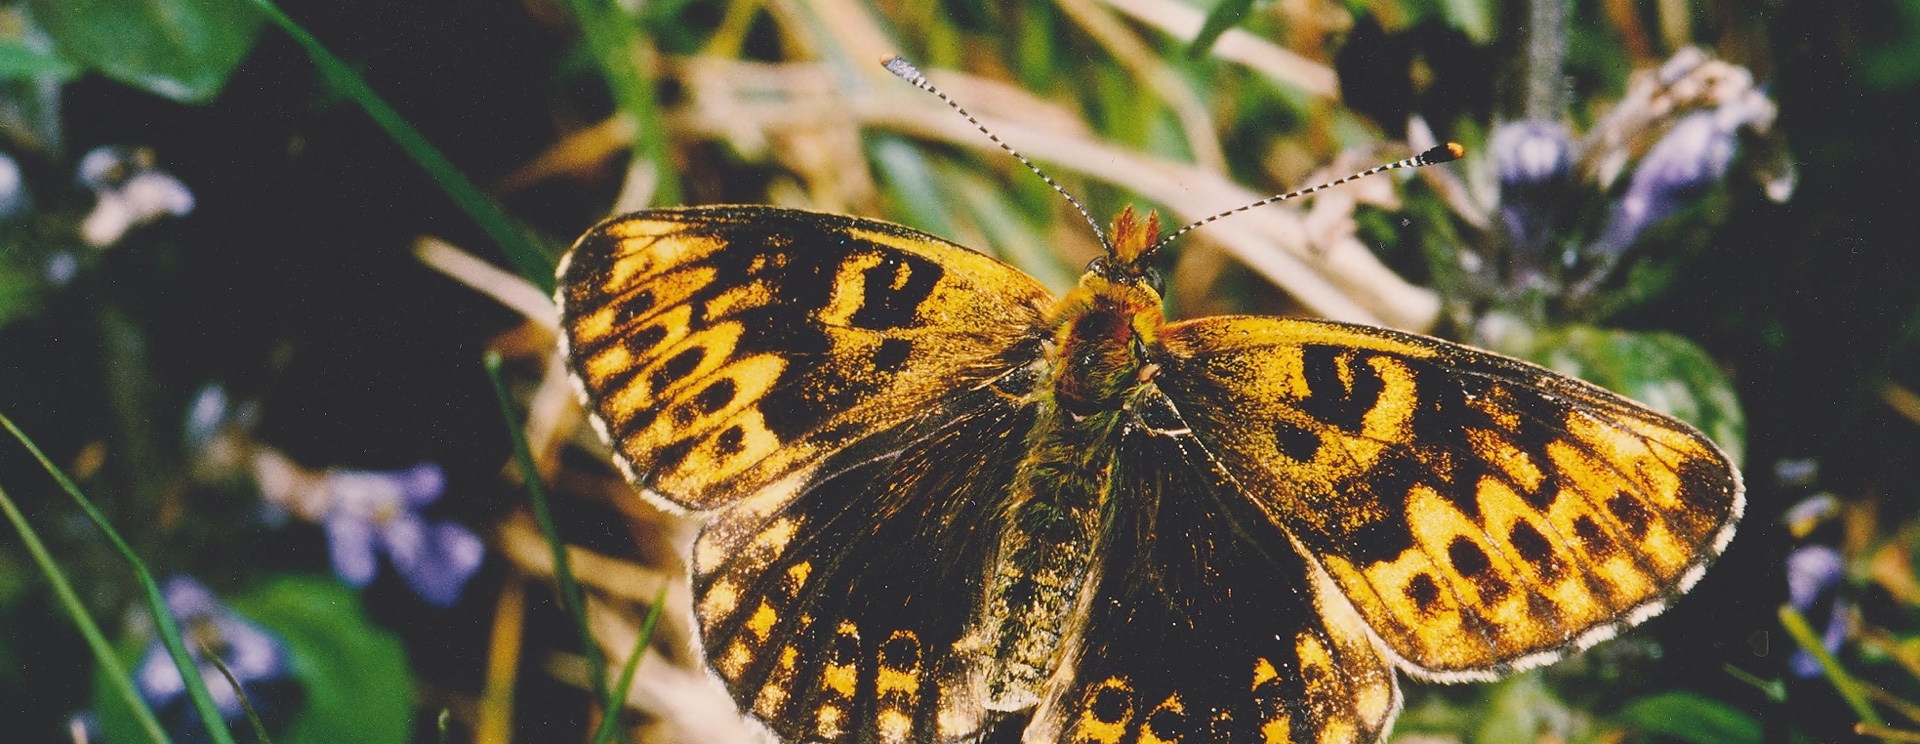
(899,65)
(1446,153)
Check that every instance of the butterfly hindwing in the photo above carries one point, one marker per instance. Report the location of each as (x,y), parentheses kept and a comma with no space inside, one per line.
(1208,626)
(726,348)
(835,617)
(1481,513)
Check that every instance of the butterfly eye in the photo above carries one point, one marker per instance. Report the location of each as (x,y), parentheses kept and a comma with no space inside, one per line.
(1153,279)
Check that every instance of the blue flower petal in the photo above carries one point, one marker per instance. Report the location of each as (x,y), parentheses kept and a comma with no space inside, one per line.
(421,485)
(1693,155)
(441,558)
(350,541)
(1810,571)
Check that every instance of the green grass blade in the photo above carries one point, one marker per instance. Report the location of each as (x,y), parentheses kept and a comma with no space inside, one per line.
(156,603)
(102,650)
(253,716)
(570,596)
(613,36)
(533,261)
(1843,682)
(610,722)
(1225,15)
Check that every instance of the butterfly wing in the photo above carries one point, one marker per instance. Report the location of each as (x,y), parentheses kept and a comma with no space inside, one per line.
(727,348)
(837,616)
(1209,626)
(1481,513)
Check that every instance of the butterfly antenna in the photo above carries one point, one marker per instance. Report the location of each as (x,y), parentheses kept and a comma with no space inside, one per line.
(1437,154)
(905,70)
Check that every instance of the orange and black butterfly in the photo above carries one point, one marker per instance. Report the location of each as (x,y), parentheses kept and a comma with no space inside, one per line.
(944,505)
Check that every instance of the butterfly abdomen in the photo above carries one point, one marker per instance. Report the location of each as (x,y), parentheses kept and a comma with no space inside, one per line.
(1046,553)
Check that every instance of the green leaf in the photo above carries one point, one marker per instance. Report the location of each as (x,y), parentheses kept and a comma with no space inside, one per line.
(913,190)
(19,293)
(1684,716)
(17,60)
(358,685)
(1665,371)
(354,674)
(1225,15)
(179,49)
(1523,708)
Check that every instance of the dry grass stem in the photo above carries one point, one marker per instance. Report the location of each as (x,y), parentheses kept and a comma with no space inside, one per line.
(503,286)
(1130,52)
(521,541)
(1183,22)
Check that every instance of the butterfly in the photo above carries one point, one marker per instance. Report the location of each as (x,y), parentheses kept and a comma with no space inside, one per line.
(944,505)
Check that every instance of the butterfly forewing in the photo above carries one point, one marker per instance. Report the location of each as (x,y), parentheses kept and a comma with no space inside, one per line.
(1208,626)
(1481,513)
(724,349)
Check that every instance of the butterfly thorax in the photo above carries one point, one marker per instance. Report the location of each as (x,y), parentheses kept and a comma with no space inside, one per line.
(1043,573)
(1102,328)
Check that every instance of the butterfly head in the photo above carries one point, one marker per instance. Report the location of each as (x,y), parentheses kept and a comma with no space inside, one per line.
(1131,248)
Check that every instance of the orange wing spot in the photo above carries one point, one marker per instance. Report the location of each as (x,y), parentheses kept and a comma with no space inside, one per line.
(797,577)
(849,289)
(830,721)
(894,725)
(1263,672)
(761,624)
(840,678)
(1317,670)
(1278,728)
(734,662)
(1497,406)
(1476,572)
(1390,418)
(1627,450)
(1338,732)
(609,362)
(1090,728)
(736,299)
(720,600)
(768,701)
(1497,449)
(772,540)
(728,450)
(653,256)
(1171,705)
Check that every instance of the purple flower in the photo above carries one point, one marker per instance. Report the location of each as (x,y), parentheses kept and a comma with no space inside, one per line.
(132,191)
(379,511)
(1813,580)
(1530,153)
(1691,156)
(1534,160)
(257,659)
